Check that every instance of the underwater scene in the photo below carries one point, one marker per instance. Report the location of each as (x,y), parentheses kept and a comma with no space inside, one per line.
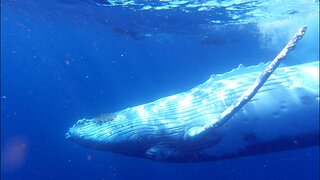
(159,89)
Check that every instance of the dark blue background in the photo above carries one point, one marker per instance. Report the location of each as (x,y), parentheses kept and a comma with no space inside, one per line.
(62,61)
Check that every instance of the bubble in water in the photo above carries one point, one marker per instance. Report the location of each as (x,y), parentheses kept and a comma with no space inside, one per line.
(276,115)
(283,106)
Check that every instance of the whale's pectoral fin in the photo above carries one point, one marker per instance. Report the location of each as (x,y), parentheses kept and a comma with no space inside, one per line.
(225,116)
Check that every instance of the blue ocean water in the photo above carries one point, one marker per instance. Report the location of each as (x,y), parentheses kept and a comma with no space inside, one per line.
(62,60)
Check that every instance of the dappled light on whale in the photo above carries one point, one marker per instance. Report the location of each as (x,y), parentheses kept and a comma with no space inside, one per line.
(247,111)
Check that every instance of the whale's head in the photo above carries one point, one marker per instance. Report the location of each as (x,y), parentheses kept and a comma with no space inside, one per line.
(90,133)
(108,132)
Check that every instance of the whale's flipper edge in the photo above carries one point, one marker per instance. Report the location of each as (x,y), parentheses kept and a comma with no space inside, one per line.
(227,114)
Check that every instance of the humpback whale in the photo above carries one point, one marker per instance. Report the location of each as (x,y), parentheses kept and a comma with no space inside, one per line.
(250,110)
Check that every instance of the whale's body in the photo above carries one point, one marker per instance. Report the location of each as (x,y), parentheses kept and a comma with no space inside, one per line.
(230,115)
(283,115)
